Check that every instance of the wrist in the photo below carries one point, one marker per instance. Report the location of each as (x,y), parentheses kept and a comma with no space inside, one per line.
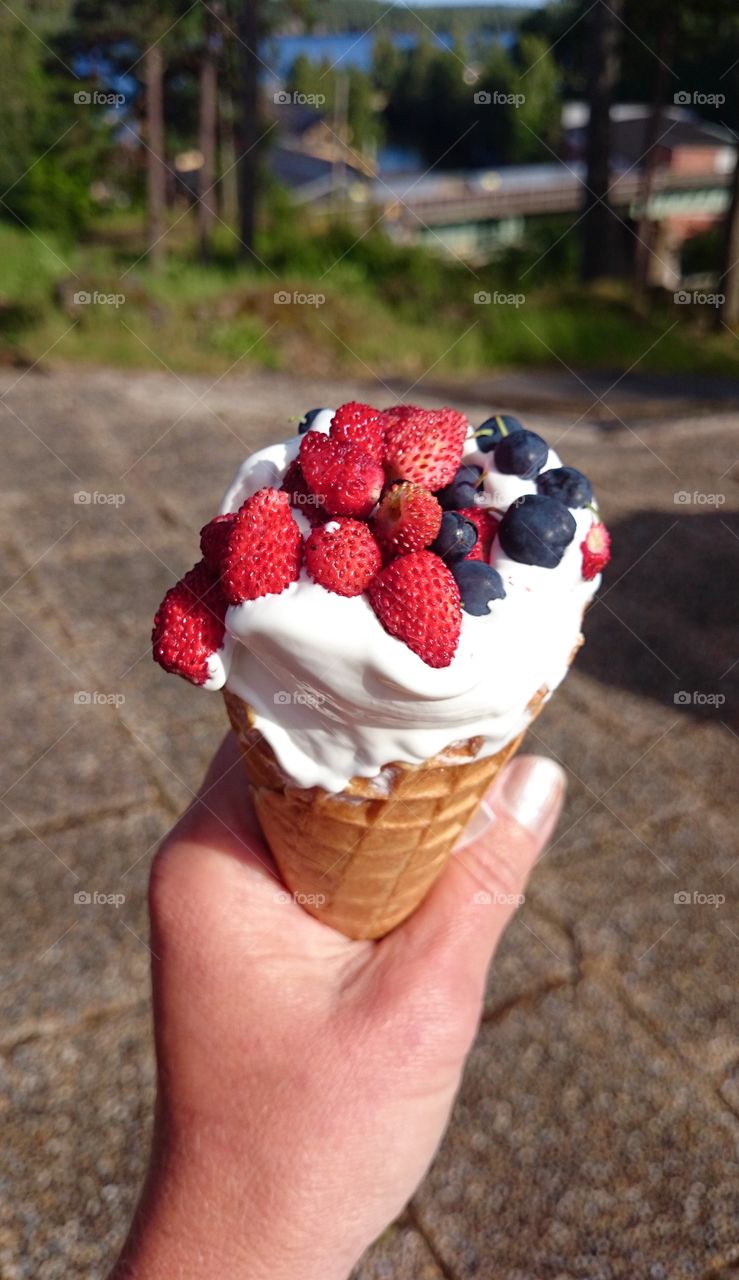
(194,1221)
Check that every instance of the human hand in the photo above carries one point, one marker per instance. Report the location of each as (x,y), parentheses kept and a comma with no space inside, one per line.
(305,1079)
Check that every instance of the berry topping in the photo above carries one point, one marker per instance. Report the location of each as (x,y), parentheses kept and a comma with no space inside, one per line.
(306,422)
(342,475)
(417,600)
(362,425)
(537,530)
(188,626)
(407,519)
(456,537)
(213,539)
(478,585)
(264,548)
(487,527)
(567,484)
(424,445)
(462,490)
(522,454)
(343,556)
(596,551)
(300,496)
(493,430)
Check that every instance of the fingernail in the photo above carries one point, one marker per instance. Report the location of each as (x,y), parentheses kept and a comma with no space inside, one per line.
(531,789)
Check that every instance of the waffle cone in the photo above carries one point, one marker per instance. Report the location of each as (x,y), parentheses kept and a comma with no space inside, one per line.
(362,860)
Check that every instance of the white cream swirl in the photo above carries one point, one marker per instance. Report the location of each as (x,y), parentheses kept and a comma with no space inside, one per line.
(336,696)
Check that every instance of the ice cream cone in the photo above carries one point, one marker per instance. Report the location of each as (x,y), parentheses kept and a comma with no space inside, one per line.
(437,604)
(363,859)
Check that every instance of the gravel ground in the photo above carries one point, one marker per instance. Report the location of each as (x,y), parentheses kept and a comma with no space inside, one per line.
(595,1135)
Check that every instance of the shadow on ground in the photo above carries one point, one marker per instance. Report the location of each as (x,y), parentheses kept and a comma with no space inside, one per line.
(666,622)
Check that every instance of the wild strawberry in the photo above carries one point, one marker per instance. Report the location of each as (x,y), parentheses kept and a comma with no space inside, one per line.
(189,626)
(407,519)
(487,527)
(264,548)
(342,475)
(342,556)
(596,551)
(300,496)
(416,599)
(424,445)
(213,539)
(362,425)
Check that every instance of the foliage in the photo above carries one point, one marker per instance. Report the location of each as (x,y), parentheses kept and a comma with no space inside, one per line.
(381,306)
(322,79)
(360,15)
(50,143)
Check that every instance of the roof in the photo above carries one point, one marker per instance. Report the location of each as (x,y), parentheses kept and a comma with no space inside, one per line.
(630,126)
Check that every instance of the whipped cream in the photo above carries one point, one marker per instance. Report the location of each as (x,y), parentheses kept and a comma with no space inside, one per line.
(336,696)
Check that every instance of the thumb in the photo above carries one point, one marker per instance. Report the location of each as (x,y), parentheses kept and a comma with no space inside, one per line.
(461,921)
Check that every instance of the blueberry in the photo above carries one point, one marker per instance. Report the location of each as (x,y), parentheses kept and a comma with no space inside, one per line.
(495,429)
(537,530)
(462,490)
(455,538)
(478,584)
(567,484)
(522,454)
(306,422)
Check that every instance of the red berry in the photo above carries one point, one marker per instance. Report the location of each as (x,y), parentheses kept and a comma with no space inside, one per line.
(596,551)
(424,445)
(300,496)
(487,527)
(343,556)
(362,425)
(417,600)
(264,549)
(407,519)
(342,475)
(189,626)
(213,539)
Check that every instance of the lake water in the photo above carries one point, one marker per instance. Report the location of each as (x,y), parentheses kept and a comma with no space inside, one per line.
(350,49)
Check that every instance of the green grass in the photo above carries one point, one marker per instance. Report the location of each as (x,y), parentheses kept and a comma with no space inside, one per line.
(394,311)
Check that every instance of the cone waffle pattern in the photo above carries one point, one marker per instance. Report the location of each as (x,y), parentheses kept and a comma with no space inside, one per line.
(362,860)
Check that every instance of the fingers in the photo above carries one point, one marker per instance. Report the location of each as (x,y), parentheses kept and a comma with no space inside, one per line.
(221,815)
(462,919)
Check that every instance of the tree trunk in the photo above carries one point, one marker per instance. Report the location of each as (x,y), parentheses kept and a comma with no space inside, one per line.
(655,127)
(598,238)
(247,132)
(729,280)
(156,171)
(207,139)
